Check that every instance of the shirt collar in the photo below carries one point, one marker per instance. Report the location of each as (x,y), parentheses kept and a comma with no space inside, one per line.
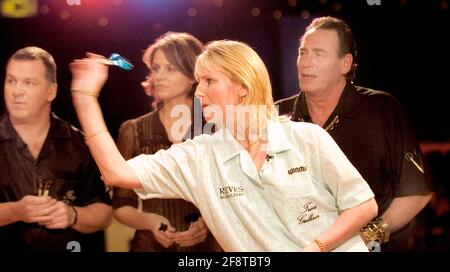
(57,128)
(277,139)
(226,147)
(346,106)
(7,131)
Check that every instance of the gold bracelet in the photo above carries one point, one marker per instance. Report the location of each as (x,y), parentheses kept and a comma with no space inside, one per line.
(87,138)
(376,230)
(320,245)
(94,94)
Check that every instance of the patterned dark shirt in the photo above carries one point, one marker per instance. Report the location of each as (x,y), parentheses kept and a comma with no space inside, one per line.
(373,131)
(65,164)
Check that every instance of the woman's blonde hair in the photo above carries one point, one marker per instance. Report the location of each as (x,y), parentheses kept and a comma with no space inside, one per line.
(242,65)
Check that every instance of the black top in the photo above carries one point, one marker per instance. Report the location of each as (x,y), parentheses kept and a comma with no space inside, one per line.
(373,130)
(66,164)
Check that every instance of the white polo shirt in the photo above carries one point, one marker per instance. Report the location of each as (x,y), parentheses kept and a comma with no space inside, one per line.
(295,197)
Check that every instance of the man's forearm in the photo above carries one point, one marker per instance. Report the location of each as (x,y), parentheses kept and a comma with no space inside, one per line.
(94,217)
(7,214)
(403,209)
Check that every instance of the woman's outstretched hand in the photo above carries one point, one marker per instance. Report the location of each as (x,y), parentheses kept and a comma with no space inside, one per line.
(88,75)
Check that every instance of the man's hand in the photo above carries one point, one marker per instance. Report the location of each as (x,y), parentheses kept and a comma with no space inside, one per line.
(61,218)
(197,233)
(32,209)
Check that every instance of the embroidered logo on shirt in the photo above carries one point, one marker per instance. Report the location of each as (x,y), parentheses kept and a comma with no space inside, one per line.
(69,197)
(307,213)
(297,170)
(231,191)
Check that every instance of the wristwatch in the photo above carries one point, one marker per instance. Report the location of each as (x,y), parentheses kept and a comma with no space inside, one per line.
(376,230)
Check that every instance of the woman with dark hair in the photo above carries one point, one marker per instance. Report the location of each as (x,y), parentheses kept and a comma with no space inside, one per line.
(171,60)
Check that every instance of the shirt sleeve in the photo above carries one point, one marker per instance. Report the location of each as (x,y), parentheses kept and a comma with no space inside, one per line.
(407,165)
(340,176)
(170,173)
(93,188)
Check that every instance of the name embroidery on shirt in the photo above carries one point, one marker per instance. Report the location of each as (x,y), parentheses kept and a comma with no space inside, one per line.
(231,191)
(297,170)
(307,214)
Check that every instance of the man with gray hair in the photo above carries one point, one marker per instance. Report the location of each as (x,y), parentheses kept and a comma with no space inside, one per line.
(370,127)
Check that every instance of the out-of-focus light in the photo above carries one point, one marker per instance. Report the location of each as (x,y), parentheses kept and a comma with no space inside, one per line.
(256,11)
(103,21)
(323,2)
(19,8)
(337,7)
(292,3)
(64,14)
(117,2)
(44,9)
(305,14)
(277,14)
(218,3)
(192,12)
(444,5)
(402,2)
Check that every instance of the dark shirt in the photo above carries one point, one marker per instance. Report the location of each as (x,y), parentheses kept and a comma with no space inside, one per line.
(373,131)
(146,135)
(65,163)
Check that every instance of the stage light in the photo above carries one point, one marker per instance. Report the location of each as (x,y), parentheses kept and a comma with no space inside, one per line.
(305,14)
(277,14)
(103,21)
(19,8)
(337,7)
(256,11)
(191,12)
(44,9)
(64,14)
(292,3)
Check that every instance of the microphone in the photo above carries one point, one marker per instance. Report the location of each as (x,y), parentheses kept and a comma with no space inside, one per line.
(269,157)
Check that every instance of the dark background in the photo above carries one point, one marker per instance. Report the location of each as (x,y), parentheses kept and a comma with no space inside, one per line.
(403,46)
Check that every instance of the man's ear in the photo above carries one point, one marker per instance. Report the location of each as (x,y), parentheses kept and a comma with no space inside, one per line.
(52,91)
(346,63)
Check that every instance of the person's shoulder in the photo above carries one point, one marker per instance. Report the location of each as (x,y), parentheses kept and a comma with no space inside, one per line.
(286,101)
(71,130)
(373,95)
(140,119)
(285,105)
(300,129)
